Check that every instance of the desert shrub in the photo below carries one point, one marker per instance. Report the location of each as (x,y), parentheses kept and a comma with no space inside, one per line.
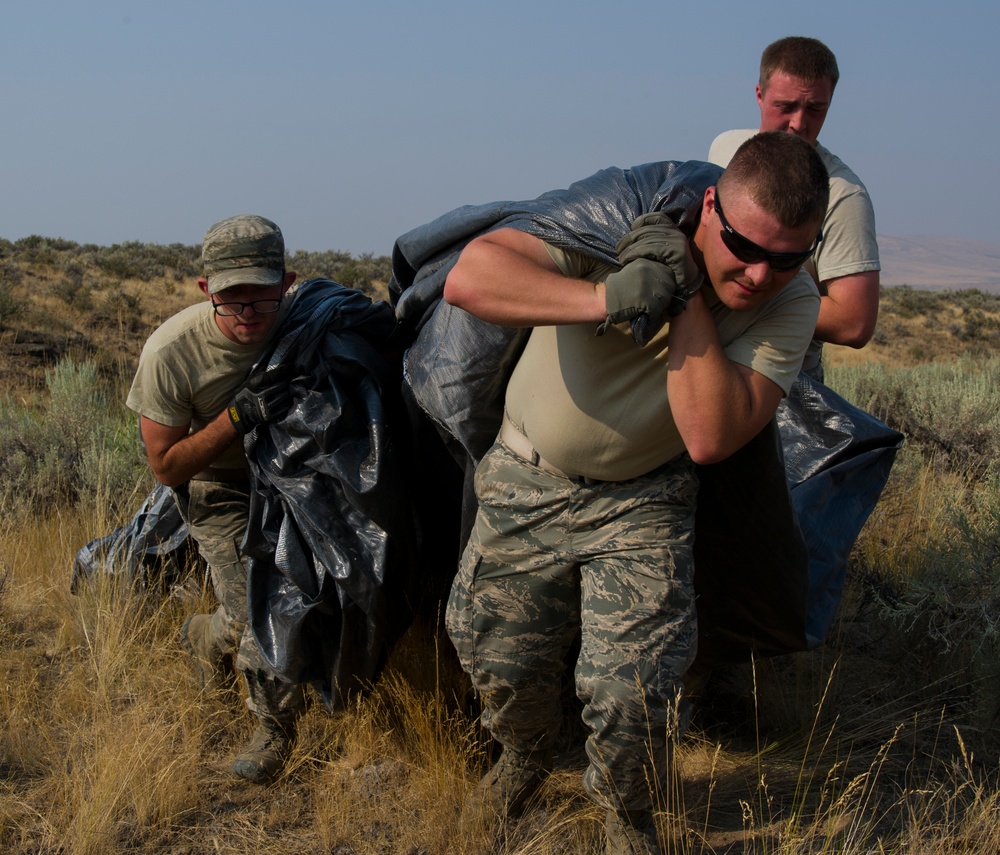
(972,299)
(952,410)
(12,305)
(908,302)
(976,326)
(361,272)
(147,261)
(947,609)
(78,449)
(126,261)
(35,249)
(11,274)
(73,292)
(124,307)
(890,329)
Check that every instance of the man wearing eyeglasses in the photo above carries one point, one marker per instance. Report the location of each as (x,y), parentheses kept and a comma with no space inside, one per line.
(586,500)
(794,91)
(194,404)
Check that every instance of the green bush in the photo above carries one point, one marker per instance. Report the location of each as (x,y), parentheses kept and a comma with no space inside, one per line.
(361,272)
(950,410)
(73,292)
(947,610)
(145,261)
(81,448)
(11,304)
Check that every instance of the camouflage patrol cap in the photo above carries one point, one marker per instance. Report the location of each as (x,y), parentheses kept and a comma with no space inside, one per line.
(243,250)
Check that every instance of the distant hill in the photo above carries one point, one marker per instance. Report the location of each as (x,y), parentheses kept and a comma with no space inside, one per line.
(922,261)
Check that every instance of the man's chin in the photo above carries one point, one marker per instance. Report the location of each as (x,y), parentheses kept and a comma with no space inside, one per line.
(254,335)
(739,298)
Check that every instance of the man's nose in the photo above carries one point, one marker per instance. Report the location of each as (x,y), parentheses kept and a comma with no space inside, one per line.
(797,121)
(760,273)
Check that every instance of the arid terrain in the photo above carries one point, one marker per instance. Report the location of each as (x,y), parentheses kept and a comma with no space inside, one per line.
(927,261)
(883,740)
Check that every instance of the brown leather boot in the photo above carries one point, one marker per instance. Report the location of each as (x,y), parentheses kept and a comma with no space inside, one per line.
(506,788)
(265,754)
(631,833)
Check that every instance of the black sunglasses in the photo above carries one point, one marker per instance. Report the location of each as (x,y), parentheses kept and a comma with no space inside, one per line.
(750,253)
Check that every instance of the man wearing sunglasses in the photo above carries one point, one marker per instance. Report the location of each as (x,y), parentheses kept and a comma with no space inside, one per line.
(586,500)
(795,88)
(195,404)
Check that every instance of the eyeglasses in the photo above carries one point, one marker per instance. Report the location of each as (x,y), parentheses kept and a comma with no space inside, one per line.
(261,307)
(749,252)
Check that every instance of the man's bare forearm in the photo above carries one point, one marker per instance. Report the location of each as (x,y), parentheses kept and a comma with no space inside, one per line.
(507,277)
(175,456)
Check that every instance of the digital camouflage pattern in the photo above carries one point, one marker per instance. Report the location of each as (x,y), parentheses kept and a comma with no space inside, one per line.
(243,250)
(216,513)
(548,556)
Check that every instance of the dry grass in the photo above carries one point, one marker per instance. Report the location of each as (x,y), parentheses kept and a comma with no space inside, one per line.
(107,748)
(874,743)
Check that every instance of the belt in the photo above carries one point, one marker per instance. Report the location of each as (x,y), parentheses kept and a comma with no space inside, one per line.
(226,476)
(518,443)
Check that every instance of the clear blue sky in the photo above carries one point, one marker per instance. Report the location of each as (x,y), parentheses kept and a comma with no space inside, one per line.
(349,123)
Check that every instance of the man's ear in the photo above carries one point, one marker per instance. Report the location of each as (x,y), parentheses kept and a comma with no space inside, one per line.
(760,97)
(290,276)
(707,202)
(697,242)
(203,284)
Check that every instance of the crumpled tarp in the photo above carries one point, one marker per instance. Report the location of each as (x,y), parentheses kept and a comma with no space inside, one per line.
(332,534)
(458,366)
(770,561)
(838,459)
(331,538)
(152,550)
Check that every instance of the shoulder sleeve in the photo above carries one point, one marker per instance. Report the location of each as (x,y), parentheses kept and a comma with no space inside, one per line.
(849,244)
(157,392)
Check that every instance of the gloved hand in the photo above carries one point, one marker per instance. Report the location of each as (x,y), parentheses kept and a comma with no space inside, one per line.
(641,293)
(653,238)
(265,397)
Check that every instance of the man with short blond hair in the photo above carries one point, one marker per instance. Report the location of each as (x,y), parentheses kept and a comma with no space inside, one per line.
(797,78)
(587,498)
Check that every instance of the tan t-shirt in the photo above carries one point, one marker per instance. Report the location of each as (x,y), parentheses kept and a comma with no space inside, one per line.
(849,245)
(188,372)
(597,406)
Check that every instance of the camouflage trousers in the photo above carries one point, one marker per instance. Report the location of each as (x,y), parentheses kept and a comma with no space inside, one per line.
(217,513)
(549,558)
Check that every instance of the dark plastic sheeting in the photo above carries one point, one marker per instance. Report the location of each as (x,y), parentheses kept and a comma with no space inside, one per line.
(331,540)
(355,490)
(152,550)
(771,548)
(774,532)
